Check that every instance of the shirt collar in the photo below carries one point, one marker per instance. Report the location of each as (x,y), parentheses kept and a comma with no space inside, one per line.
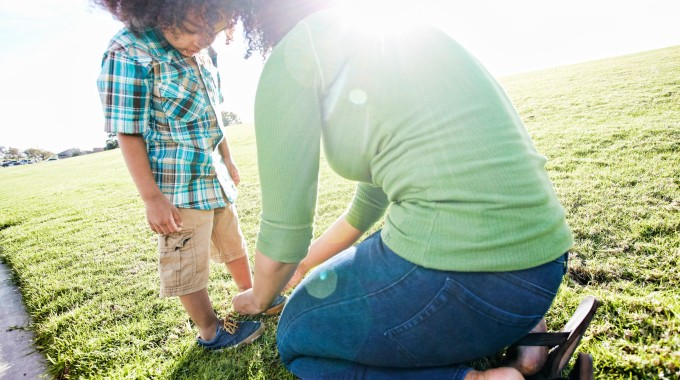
(159,47)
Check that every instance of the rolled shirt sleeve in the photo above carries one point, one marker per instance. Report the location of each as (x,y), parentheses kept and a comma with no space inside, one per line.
(125,90)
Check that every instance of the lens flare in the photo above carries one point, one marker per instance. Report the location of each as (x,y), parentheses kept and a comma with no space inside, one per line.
(322,284)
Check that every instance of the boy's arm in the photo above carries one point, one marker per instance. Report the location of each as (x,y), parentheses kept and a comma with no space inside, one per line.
(223,148)
(161,214)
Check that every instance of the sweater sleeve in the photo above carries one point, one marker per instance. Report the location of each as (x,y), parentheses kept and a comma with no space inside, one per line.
(368,206)
(288,132)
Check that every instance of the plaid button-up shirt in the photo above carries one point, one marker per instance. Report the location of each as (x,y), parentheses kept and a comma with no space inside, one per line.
(147,87)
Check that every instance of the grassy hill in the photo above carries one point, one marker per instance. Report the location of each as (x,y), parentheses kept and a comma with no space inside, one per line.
(74,233)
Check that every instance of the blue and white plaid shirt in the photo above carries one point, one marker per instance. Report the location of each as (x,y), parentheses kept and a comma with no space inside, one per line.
(147,87)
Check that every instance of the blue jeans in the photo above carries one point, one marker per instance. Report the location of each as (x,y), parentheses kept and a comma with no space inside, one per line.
(368,313)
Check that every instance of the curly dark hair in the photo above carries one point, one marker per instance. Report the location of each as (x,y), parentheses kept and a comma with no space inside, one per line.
(264,22)
(138,15)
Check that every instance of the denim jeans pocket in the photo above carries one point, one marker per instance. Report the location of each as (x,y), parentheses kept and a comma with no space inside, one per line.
(456,323)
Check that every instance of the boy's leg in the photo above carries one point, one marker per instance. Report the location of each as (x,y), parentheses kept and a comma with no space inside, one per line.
(184,268)
(240,272)
(213,333)
(200,310)
(229,246)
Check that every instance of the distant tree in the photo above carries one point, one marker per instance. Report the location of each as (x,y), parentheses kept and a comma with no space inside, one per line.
(38,154)
(229,118)
(111,142)
(13,154)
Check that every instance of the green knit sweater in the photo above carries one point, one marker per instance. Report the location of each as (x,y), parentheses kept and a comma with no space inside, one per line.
(431,138)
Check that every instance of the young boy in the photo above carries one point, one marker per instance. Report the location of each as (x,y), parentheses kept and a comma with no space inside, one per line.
(160,88)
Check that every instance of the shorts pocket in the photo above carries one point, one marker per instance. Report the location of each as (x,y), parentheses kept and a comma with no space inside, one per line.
(170,262)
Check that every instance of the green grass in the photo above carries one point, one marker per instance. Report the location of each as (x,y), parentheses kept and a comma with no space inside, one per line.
(74,234)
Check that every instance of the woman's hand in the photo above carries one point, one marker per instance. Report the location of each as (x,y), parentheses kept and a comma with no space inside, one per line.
(245,303)
(299,274)
(270,277)
(338,237)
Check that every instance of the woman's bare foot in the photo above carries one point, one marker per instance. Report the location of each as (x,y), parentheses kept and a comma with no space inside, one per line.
(502,373)
(528,360)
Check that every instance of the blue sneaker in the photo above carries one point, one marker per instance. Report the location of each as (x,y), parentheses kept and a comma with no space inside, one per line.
(276,306)
(231,334)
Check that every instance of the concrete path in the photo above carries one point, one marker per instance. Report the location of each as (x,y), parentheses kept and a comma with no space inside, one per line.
(18,357)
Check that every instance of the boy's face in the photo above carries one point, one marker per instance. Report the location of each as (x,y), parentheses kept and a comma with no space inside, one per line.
(193,37)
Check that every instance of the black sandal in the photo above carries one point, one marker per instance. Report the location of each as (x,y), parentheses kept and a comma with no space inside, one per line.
(563,344)
(583,368)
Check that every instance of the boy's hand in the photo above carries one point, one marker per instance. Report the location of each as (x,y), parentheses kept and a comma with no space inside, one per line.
(233,172)
(162,216)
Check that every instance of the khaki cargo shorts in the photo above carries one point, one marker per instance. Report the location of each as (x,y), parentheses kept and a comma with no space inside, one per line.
(184,257)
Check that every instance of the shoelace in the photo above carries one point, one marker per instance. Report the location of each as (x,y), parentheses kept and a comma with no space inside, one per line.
(230,324)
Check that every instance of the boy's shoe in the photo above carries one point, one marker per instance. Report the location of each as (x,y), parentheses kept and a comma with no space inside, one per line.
(276,306)
(233,334)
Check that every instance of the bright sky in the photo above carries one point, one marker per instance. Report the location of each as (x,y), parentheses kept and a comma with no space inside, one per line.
(50,53)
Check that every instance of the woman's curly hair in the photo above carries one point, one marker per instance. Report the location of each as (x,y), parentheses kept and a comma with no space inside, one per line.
(247,12)
(265,22)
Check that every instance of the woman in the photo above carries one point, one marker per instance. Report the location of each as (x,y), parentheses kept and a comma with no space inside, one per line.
(473,246)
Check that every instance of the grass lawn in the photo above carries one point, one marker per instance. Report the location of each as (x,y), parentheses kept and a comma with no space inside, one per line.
(74,234)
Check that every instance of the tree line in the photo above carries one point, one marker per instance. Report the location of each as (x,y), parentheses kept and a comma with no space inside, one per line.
(9,153)
(36,155)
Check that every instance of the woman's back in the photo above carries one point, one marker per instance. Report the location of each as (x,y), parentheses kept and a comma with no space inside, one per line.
(412,114)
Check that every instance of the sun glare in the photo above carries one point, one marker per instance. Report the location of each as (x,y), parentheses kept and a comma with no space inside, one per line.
(383,15)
